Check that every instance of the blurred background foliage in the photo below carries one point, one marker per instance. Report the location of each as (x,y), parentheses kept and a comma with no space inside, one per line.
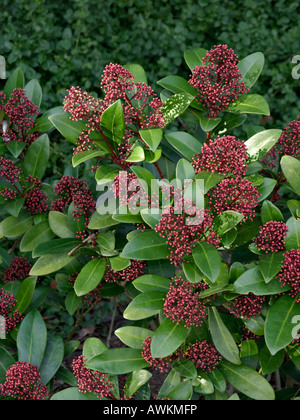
(66,43)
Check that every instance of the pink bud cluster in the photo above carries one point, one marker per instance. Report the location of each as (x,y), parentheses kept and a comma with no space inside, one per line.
(12,317)
(70,189)
(237,194)
(246,307)
(36,201)
(290,272)
(183,237)
(18,269)
(23,382)
(225,155)
(218,80)
(91,381)
(9,171)
(271,237)
(204,356)
(135,270)
(183,304)
(21,113)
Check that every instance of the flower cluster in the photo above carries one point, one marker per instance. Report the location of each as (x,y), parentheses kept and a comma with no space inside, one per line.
(12,317)
(271,237)
(160,364)
(9,171)
(204,356)
(225,155)
(18,269)
(246,307)
(287,145)
(135,270)
(290,272)
(36,201)
(23,382)
(181,236)
(183,304)
(218,80)
(141,107)
(236,194)
(21,113)
(70,189)
(91,381)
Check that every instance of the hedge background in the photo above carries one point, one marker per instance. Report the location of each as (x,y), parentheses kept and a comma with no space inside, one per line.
(69,42)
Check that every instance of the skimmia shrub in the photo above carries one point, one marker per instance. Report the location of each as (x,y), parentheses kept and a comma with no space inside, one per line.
(189,234)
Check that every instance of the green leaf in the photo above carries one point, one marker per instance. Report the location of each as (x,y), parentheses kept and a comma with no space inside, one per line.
(82,157)
(261,143)
(292,240)
(182,392)
(152,282)
(168,338)
(147,246)
(90,276)
(269,363)
(14,207)
(177,84)
(185,368)
(32,339)
(73,394)
(279,323)
(15,81)
(54,355)
(270,265)
(43,124)
(135,381)
(16,147)
(68,128)
(291,170)
(13,227)
(208,260)
(37,157)
(137,155)
(185,143)
(252,104)
(56,247)
(249,353)
(113,123)
(93,347)
(119,264)
(106,174)
(6,361)
(72,302)
(251,68)
(48,264)
(226,221)
(294,207)
(145,305)
(172,380)
(211,179)
(101,221)
(248,381)
(252,281)
(138,73)
(118,361)
(34,92)
(152,137)
(222,338)
(133,337)
(59,225)
(266,188)
(194,57)
(175,106)
(25,294)
(208,124)
(184,171)
(269,213)
(35,236)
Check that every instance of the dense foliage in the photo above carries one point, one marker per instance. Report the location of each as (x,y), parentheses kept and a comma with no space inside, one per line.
(51,41)
(191,236)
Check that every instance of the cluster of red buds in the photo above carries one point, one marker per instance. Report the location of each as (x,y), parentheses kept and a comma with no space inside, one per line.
(218,80)
(23,382)
(19,114)
(10,316)
(92,298)
(160,364)
(135,270)
(290,272)
(246,306)
(271,237)
(18,269)
(204,356)
(91,381)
